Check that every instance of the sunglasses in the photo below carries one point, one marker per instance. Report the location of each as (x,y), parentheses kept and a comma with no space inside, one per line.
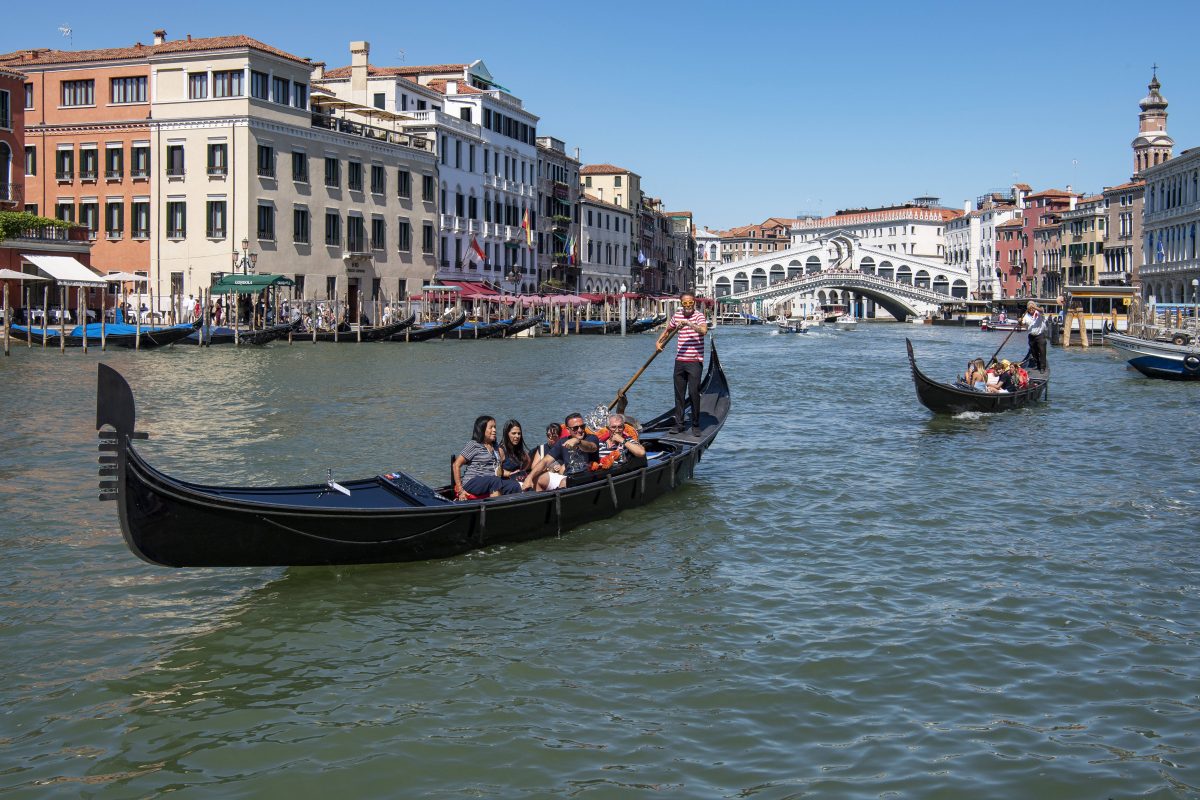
(575,427)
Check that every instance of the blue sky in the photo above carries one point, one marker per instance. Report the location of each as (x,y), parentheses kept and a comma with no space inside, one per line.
(738,112)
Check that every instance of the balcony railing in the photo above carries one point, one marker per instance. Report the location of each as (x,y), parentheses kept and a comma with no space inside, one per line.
(343,125)
(112,174)
(11,192)
(51,234)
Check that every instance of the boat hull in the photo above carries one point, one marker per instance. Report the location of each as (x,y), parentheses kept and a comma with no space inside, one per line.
(1161,360)
(389,518)
(944,398)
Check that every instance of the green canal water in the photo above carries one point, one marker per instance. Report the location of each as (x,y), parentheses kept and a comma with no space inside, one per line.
(852,599)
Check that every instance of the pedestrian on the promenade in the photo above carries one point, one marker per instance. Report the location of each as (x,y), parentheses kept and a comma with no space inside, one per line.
(689,357)
(1035,323)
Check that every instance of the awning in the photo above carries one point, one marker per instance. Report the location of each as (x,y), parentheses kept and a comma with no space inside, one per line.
(593,298)
(65,270)
(472,290)
(248,284)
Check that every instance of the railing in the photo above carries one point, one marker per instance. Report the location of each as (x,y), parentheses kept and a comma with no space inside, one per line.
(64,176)
(1167,213)
(445,120)
(342,125)
(11,192)
(113,174)
(51,234)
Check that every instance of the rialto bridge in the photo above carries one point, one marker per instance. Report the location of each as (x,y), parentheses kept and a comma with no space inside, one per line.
(840,269)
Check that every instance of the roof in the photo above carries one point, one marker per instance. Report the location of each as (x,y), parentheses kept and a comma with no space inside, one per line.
(604,169)
(591,198)
(1052,193)
(46,56)
(439,85)
(373,71)
(1012,223)
(1024,187)
(1134,184)
(11,73)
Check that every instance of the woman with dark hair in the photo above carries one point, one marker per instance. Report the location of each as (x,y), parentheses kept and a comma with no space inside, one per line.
(515,459)
(553,433)
(476,470)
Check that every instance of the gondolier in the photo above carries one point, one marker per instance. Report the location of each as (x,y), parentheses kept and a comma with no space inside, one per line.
(689,357)
(1035,322)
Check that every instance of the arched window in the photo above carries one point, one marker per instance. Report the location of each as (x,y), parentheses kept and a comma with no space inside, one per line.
(722,287)
(922,279)
(794,269)
(741,283)
(867,265)
(758,278)
(812,265)
(886,271)
(904,275)
(941,284)
(959,289)
(776,273)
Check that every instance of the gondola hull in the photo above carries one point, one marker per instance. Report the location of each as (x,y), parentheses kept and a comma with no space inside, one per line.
(514,326)
(148,339)
(388,518)
(944,398)
(423,333)
(380,334)
(223,335)
(1153,359)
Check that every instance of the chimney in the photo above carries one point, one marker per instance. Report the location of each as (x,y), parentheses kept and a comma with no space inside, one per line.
(160,36)
(966,206)
(451,87)
(189,37)
(318,71)
(358,71)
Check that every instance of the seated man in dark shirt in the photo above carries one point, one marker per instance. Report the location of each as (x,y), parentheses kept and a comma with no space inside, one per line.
(571,455)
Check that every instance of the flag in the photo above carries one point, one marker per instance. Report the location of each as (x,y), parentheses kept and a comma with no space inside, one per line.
(642,257)
(1160,253)
(478,250)
(528,229)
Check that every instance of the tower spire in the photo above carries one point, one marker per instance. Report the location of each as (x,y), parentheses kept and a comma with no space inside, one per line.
(1152,144)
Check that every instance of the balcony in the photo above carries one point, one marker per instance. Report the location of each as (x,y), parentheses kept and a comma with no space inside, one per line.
(445,120)
(87,174)
(64,176)
(342,125)
(113,175)
(11,193)
(75,234)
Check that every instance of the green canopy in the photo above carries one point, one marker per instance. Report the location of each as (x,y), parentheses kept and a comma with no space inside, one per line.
(249,284)
(733,301)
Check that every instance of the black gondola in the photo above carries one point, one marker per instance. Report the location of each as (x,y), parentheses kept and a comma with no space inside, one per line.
(148,339)
(479,330)
(389,518)
(515,326)
(427,331)
(945,398)
(224,335)
(380,334)
(642,325)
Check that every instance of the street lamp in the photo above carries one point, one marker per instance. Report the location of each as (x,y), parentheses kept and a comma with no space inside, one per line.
(513,276)
(1196,298)
(244,260)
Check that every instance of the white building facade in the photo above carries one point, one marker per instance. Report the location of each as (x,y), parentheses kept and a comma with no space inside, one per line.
(915,229)
(605,246)
(1171,229)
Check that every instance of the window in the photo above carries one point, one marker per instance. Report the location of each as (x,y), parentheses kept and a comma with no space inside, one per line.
(465,114)
(281,91)
(65,210)
(5,110)
(378,233)
(30,160)
(114,163)
(300,225)
(89,217)
(258,85)
(427,237)
(354,176)
(175,160)
(421,105)
(78,93)
(29,95)
(266,161)
(427,188)
(300,95)
(300,167)
(139,161)
(403,236)
(64,165)
(140,213)
(403,183)
(378,99)
(197,85)
(228,83)
(333,173)
(114,219)
(333,229)
(218,158)
(378,179)
(89,163)
(356,234)
(214,219)
(124,90)
(266,222)
(587,181)
(331,287)
(176,219)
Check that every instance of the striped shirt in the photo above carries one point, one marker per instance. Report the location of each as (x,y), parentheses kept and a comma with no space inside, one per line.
(690,345)
(480,460)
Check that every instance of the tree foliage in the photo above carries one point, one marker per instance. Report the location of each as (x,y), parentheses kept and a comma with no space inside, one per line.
(14,223)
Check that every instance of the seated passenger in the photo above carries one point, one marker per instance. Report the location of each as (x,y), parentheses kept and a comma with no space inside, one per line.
(554,432)
(476,470)
(618,443)
(977,378)
(570,458)
(515,461)
(1005,373)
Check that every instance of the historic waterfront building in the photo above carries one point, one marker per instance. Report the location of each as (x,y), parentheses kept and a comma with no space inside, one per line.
(749,241)
(708,258)
(1171,226)
(486,145)
(1152,145)
(558,232)
(12,141)
(194,158)
(605,258)
(1123,233)
(1084,231)
(971,240)
(915,229)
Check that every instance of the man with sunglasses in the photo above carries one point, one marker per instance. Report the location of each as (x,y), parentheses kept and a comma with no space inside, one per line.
(689,357)
(572,455)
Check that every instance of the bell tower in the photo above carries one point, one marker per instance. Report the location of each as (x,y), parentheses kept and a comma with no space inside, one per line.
(1152,145)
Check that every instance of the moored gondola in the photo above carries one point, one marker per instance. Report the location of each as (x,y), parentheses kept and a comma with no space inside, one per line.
(115,335)
(515,326)
(380,334)
(428,330)
(218,335)
(645,324)
(945,398)
(391,517)
(479,330)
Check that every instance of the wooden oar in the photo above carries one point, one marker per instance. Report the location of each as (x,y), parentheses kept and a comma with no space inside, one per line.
(620,402)
(1001,347)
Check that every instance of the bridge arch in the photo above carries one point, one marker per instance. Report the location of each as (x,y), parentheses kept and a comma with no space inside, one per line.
(777,273)
(941,284)
(886,270)
(959,289)
(813,265)
(758,278)
(741,283)
(921,279)
(723,287)
(794,269)
(904,275)
(867,265)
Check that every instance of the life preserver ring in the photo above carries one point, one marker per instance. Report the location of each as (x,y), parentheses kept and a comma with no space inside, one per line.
(1191,363)
(1179,339)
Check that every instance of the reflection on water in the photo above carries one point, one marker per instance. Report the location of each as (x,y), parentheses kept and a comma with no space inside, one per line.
(852,599)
